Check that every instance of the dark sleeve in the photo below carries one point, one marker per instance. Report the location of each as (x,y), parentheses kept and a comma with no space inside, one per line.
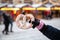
(51,32)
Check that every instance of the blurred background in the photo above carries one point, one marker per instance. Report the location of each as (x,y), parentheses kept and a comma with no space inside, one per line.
(46,10)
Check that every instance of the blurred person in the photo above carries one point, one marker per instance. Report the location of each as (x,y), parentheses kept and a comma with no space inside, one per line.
(56,13)
(49,31)
(52,12)
(47,14)
(1,17)
(43,14)
(59,13)
(11,22)
(6,23)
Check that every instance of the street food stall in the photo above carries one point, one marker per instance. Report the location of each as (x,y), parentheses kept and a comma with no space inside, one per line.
(20,6)
(41,10)
(35,12)
(55,10)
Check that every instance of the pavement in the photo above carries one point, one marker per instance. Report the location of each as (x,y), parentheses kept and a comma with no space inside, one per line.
(29,34)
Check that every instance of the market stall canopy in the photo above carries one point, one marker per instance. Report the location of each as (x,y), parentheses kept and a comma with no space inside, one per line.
(48,5)
(43,8)
(20,5)
(36,5)
(28,7)
(10,9)
(3,4)
(10,5)
(55,7)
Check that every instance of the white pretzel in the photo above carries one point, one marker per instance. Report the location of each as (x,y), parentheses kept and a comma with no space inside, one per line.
(22,24)
(19,22)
